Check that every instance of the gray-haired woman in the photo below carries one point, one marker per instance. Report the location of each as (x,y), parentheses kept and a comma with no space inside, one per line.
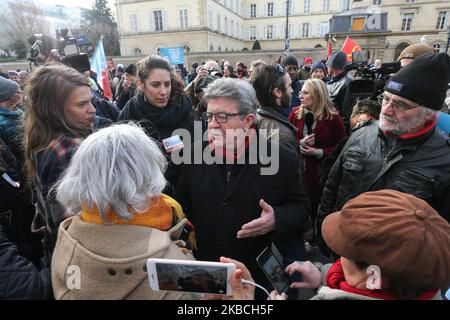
(114,184)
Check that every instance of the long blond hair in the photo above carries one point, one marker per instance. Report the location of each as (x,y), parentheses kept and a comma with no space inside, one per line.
(322,107)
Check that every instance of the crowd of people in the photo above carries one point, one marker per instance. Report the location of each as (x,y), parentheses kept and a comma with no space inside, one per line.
(277,153)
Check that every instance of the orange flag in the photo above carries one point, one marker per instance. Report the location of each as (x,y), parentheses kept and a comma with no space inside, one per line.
(349,47)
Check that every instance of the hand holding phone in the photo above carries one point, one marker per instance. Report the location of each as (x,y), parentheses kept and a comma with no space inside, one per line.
(311,277)
(190,276)
(274,270)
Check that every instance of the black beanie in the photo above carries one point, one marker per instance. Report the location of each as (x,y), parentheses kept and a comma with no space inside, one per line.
(424,81)
(289,61)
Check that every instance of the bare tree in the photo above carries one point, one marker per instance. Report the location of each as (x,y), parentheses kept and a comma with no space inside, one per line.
(23,19)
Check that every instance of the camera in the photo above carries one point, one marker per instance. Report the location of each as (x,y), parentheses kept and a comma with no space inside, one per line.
(369,83)
(215,73)
(63,49)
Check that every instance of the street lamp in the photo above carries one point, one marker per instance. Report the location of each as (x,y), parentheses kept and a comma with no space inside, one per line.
(287,43)
(448,39)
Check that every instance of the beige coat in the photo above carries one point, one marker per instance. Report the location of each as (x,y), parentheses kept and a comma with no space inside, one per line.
(111,260)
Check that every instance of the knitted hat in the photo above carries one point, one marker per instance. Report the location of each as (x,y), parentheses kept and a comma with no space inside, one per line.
(318,65)
(308,59)
(401,234)
(289,61)
(8,88)
(424,81)
(13,73)
(414,51)
(337,60)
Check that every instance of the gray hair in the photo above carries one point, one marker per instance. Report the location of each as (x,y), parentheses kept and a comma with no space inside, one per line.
(118,168)
(236,90)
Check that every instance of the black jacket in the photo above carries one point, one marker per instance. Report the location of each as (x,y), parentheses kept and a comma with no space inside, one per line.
(419,166)
(218,207)
(159,123)
(272,119)
(19,278)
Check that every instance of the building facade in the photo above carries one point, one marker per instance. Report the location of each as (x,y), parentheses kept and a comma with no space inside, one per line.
(384,27)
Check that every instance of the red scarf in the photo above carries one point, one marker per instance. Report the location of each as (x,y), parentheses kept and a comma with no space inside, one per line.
(336,280)
(421,132)
(231,157)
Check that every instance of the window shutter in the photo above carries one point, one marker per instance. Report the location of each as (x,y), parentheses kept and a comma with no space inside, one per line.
(151,21)
(165,20)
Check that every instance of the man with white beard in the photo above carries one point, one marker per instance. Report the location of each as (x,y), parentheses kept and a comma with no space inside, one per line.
(402,151)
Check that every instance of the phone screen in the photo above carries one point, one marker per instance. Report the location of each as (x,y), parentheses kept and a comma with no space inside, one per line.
(274,270)
(192,278)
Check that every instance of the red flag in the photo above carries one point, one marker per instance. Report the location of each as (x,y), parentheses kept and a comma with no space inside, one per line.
(349,47)
(329,49)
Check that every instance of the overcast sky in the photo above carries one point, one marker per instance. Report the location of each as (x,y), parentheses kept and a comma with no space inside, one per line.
(80,3)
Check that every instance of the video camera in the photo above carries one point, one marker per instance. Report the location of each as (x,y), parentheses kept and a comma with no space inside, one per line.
(369,83)
(63,49)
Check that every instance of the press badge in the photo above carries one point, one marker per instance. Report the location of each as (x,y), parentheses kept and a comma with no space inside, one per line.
(173,143)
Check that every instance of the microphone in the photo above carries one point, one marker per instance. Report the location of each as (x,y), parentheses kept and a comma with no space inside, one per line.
(309,121)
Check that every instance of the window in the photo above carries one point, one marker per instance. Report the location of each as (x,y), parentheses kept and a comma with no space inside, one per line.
(210,19)
(133,22)
(324,28)
(358,23)
(232,28)
(211,48)
(252,33)
(184,18)
(305,30)
(157,15)
(253,10)
(410,1)
(306,6)
(219,26)
(326,5)
(270,9)
(226,25)
(269,32)
(442,20)
(376,2)
(345,5)
(407,21)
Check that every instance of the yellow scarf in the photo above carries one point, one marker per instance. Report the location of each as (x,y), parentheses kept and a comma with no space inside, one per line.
(160,215)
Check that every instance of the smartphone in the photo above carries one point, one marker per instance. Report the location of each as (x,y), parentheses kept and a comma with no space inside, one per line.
(190,276)
(274,270)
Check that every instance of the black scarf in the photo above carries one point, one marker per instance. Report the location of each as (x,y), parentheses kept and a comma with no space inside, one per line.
(159,122)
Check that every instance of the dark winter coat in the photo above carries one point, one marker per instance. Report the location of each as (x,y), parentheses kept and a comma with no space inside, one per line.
(159,123)
(19,278)
(419,166)
(219,199)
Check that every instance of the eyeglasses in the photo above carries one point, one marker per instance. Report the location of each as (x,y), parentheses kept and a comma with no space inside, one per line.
(221,117)
(396,106)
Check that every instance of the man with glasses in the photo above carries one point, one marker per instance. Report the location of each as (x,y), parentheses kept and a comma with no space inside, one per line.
(402,151)
(274,92)
(237,208)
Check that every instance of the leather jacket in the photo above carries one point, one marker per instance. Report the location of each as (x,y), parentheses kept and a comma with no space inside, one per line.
(419,166)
